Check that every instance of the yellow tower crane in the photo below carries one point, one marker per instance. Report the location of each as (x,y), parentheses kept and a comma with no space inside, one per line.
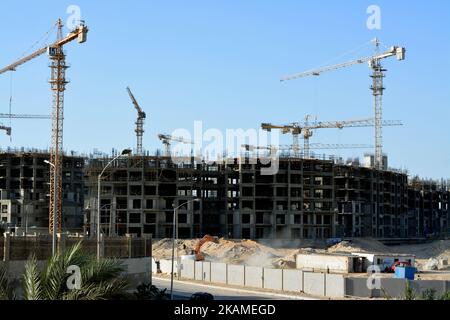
(58,85)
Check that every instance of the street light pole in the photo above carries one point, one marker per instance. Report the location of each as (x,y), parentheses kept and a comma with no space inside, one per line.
(54,208)
(124,152)
(173,241)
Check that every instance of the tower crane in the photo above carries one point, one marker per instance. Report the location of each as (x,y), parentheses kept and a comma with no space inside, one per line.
(23,116)
(377,87)
(306,128)
(292,128)
(167,141)
(139,122)
(58,85)
(315,146)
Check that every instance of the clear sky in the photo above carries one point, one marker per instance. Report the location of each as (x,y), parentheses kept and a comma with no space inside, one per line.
(220,62)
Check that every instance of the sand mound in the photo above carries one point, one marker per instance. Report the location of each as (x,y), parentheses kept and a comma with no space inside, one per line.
(246,252)
(282,254)
(360,245)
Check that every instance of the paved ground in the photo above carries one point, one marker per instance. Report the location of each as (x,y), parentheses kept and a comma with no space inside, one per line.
(183,290)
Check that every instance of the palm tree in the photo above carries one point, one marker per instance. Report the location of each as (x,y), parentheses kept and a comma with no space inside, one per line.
(100,279)
(6,287)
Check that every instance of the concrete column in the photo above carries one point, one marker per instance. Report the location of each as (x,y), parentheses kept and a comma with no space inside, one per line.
(6,246)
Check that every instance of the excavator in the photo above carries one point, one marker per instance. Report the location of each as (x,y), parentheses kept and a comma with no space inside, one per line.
(200,243)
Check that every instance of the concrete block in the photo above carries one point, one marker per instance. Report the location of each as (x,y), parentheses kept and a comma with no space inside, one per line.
(199,270)
(206,271)
(166,266)
(292,280)
(358,287)
(393,287)
(187,269)
(334,285)
(137,265)
(314,283)
(273,279)
(236,275)
(218,272)
(419,286)
(254,277)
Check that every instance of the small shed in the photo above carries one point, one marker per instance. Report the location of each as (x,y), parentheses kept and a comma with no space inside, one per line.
(331,262)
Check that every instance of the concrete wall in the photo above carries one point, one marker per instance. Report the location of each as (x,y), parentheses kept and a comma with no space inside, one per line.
(154,266)
(254,277)
(273,279)
(439,286)
(20,248)
(318,262)
(207,271)
(334,285)
(218,272)
(314,283)
(199,270)
(292,280)
(236,275)
(187,269)
(137,270)
(166,266)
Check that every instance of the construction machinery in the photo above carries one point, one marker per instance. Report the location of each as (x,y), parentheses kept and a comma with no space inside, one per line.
(58,85)
(139,122)
(377,88)
(307,128)
(167,140)
(200,243)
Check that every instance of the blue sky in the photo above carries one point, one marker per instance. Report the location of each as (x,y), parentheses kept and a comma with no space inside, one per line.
(220,62)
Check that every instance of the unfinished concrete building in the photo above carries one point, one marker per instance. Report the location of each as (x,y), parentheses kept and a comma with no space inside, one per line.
(306,198)
(24,191)
(428,207)
(371,202)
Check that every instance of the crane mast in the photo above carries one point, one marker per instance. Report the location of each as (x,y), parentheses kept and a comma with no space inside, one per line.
(58,85)
(377,88)
(139,122)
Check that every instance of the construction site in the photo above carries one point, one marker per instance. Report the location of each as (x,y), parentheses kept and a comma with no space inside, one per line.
(317,214)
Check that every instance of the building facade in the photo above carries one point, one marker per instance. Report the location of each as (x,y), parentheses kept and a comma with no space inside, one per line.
(24,191)
(306,198)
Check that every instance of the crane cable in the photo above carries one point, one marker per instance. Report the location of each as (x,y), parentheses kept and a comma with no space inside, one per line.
(44,38)
(353,51)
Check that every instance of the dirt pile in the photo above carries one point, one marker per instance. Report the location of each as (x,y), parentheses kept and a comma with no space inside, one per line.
(360,245)
(282,254)
(246,252)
